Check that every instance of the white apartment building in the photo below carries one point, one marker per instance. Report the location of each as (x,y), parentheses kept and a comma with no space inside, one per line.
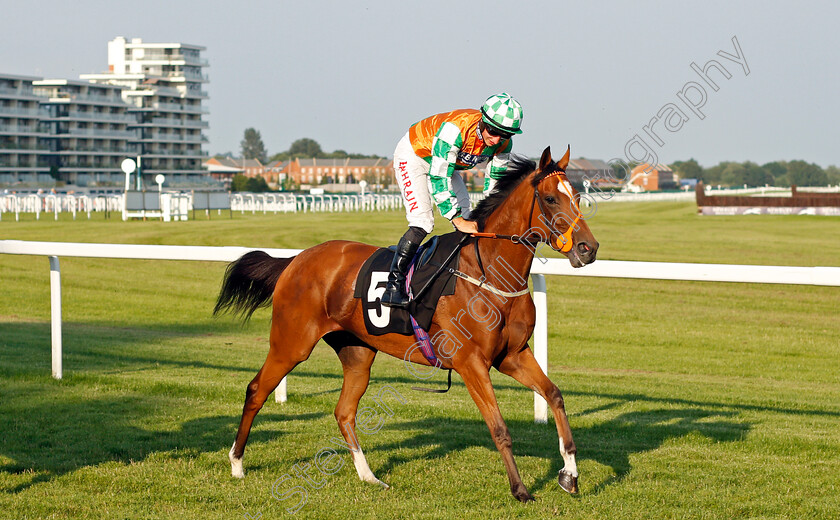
(88,131)
(163,85)
(21,149)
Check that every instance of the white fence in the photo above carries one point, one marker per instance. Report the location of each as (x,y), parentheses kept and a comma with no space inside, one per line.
(58,203)
(176,205)
(829,276)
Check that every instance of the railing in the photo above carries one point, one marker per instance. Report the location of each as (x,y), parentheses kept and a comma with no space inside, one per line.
(59,203)
(828,276)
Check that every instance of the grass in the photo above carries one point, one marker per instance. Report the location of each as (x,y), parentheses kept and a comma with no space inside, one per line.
(686,399)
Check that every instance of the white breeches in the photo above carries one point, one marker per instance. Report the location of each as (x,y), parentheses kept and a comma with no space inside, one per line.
(412,174)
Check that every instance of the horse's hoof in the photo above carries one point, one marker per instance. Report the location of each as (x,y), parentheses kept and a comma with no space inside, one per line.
(523,496)
(567,482)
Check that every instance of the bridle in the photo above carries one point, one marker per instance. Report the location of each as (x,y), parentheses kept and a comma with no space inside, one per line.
(558,241)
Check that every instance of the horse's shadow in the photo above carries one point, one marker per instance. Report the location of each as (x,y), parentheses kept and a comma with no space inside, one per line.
(48,441)
(611,442)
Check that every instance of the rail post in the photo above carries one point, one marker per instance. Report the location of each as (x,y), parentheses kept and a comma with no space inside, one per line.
(55,316)
(540,343)
(280,392)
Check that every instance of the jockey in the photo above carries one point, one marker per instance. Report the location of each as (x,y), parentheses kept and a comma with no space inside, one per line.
(427,161)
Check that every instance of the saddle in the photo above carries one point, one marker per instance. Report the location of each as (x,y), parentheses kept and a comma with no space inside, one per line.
(429,282)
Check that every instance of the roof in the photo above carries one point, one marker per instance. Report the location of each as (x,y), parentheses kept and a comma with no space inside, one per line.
(277,165)
(645,166)
(222,164)
(587,164)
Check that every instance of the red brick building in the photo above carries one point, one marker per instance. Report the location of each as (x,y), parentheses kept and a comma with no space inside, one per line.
(350,171)
(653,178)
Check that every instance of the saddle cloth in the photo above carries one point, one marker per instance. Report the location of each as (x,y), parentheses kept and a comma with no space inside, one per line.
(373,277)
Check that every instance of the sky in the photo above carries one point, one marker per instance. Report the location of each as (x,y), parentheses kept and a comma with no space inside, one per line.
(610,79)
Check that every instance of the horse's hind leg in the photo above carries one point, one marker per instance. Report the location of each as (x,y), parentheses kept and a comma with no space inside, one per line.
(283,356)
(523,367)
(356,361)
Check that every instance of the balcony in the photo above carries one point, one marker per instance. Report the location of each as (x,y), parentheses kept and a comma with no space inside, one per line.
(21,112)
(18,92)
(113,134)
(166,138)
(125,118)
(16,129)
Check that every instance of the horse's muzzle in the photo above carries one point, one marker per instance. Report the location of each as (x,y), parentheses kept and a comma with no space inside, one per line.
(583,253)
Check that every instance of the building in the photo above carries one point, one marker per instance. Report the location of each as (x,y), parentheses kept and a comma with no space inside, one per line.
(276,172)
(21,147)
(340,171)
(163,85)
(223,169)
(652,178)
(598,172)
(88,131)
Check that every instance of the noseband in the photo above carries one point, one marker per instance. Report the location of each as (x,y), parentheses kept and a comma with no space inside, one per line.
(560,241)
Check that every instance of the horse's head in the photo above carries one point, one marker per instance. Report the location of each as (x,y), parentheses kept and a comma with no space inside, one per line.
(560,219)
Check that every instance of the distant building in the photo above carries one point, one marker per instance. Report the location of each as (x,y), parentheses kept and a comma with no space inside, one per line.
(89,131)
(276,172)
(598,172)
(148,105)
(223,169)
(340,171)
(22,150)
(163,84)
(653,178)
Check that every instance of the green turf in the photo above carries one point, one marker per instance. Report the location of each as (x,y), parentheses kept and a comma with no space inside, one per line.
(686,399)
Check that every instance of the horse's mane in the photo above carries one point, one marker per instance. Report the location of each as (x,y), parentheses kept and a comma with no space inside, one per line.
(518,169)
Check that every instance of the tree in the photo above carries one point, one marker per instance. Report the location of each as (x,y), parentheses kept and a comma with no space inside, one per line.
(804,174)
(252,146)
(239,183)
(732,174)
(257,185)
(305,148)
(713,175)
(688,169)
(833,174)
(755,175)
(776,168)
(250,184)
(279,156)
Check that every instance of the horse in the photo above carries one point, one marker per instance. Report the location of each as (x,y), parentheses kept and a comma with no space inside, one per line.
(312,299)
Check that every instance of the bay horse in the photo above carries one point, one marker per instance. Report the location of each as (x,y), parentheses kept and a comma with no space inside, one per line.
(312,296)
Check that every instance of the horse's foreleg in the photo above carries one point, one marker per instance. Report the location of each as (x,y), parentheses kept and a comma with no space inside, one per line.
(356,362)
(523,367)
(477,380)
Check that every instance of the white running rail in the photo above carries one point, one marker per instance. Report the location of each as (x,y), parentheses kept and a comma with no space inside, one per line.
(827,276)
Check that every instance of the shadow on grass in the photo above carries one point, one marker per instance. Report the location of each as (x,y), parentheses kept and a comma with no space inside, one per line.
(58,436)
(611,443)
(25,348)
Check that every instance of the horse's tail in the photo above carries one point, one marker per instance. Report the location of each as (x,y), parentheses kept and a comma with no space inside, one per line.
(249,283)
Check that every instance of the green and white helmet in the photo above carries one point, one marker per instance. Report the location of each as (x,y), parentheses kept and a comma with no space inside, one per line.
(503,113)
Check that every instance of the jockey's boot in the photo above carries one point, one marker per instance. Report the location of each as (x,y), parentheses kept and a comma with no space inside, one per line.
(395,294)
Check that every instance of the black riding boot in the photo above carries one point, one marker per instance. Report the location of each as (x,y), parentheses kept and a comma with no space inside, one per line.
(395,294)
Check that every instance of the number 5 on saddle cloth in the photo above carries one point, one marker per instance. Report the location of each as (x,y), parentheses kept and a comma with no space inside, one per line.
(373,276)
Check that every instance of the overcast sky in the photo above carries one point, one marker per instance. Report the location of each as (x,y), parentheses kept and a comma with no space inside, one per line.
(355,75)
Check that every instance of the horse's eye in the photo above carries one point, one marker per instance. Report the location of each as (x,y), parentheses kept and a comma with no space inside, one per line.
(550,199)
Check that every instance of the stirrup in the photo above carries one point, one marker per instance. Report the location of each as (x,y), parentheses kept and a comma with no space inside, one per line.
(402,303)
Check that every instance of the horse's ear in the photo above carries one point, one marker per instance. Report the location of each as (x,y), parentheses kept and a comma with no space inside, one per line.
(562,163)
(545,160)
